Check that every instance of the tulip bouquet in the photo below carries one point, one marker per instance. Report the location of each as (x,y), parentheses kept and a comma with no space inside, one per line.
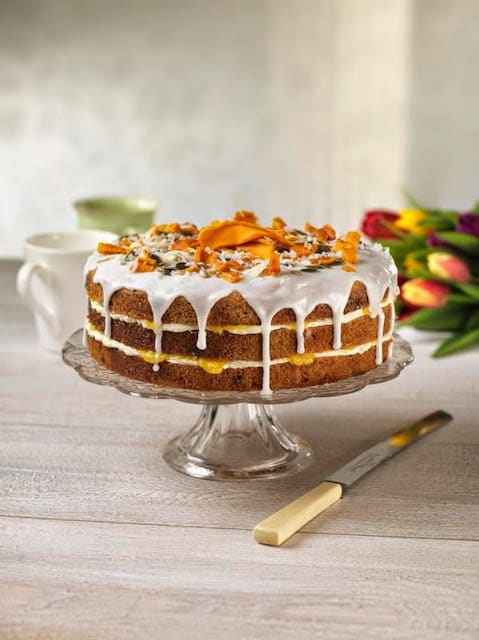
(437,254)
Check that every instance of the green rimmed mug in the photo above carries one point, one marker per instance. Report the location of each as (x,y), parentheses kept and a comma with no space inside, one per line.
(117,214)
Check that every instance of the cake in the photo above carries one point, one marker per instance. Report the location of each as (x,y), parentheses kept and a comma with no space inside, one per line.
(240,306)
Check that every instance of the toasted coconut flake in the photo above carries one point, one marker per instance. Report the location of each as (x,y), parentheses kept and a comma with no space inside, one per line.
(257,270)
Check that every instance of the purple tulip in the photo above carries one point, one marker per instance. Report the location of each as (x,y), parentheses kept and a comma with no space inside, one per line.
(468,223)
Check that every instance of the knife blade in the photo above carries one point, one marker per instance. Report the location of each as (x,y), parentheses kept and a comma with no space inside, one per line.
(278,527)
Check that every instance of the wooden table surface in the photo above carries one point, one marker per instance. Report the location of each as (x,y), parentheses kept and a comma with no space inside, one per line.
(100,539)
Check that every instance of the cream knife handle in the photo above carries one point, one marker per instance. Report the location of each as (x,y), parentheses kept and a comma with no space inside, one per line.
(277,528)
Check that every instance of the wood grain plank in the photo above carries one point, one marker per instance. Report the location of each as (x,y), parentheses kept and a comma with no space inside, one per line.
(124,581)
(118,475)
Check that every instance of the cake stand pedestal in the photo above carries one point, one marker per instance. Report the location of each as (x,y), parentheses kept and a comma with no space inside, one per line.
(237,435)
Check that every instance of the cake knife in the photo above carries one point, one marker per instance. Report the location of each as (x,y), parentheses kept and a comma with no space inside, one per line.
(278,527)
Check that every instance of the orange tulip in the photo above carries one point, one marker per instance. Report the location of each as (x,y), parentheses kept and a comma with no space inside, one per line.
(421,292)
(447,265)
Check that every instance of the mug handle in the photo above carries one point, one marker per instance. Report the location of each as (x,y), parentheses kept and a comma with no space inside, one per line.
(24,288)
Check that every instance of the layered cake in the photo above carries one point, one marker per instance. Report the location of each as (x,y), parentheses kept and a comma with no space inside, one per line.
(240,306)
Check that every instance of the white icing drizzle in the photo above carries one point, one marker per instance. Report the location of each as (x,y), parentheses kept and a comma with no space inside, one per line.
(108,291)
(337,304)
(379,337)
(159,304)
(300,291)
(266,337)
(390,348)
(300,319)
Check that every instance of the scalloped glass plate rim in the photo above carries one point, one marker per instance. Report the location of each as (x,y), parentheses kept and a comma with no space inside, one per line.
(76,356)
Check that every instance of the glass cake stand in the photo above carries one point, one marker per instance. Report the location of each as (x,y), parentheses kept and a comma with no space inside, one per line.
(237,435)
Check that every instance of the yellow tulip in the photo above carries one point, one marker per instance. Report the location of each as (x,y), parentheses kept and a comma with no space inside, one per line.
(409,220)
(411,265)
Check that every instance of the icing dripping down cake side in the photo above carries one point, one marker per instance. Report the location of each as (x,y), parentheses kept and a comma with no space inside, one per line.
(238,306)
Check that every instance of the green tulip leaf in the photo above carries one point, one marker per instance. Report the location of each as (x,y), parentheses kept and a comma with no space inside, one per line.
(442,223)
(460,298)
(452,217)
(473,321)
(424,273)
(473,262)
(469,244)
(450,317)
(411,200)
(457,342)
(469,289)
(422,253)
(448,215)
(399,249)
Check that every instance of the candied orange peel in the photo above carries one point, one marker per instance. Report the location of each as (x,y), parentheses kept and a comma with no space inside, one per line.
(262,248)
(246,216)
(144,262)
(231,234)
(110,249)
(274,265)
(184,244)
(278,223)
(348,245)
(323,234)
(172,227)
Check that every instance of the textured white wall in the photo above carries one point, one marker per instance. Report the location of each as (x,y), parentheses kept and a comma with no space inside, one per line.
(157,98)
(299,97)
(302,108)
(443,123)
(369,116)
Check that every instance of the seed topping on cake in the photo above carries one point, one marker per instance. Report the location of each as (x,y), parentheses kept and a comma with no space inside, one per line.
(235,249)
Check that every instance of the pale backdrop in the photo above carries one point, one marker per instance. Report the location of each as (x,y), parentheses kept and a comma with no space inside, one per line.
(301,108)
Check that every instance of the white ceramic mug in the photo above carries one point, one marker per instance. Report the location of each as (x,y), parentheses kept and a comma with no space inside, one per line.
(51,281)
